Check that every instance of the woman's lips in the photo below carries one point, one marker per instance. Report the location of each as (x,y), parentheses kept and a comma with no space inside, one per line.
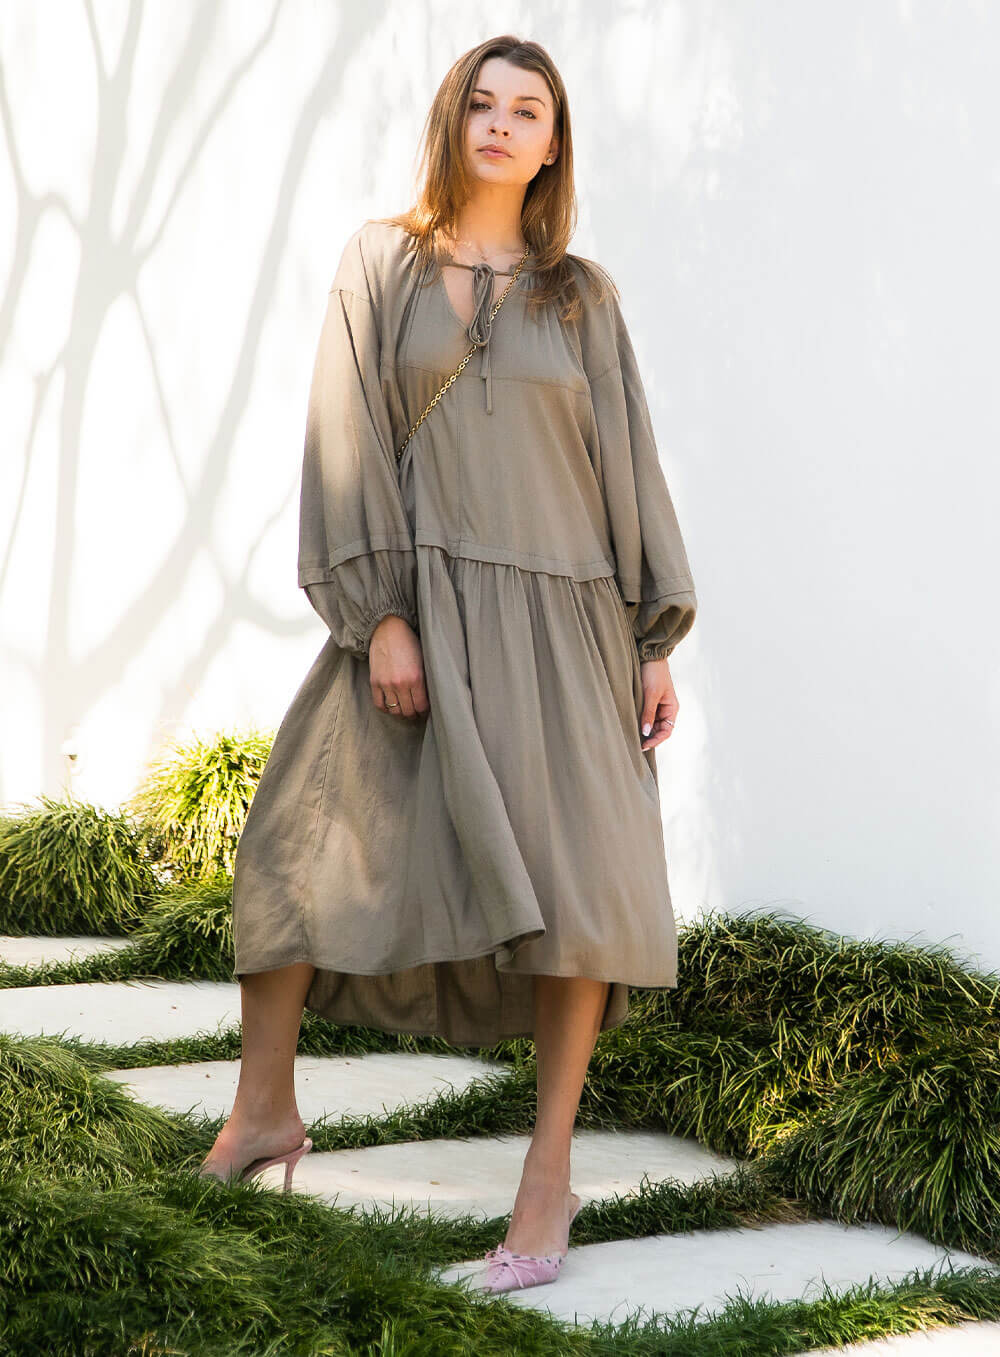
(495,155)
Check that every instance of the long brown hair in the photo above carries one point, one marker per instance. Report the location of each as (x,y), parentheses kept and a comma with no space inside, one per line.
(548,215)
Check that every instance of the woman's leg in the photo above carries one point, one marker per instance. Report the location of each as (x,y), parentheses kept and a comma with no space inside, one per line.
(265,1119)
(568,1013)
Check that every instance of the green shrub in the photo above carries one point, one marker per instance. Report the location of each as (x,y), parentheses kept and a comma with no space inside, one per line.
(915,1144)
(70,867)
(187,933)
(194,799)
(830,1005)
(60,1117)
(117,1270)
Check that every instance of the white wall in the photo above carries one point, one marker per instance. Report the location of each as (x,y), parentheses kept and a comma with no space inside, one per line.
(800,205)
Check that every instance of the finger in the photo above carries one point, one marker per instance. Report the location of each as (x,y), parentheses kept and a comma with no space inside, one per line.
(405,699)
(391,703)
(649,709)
(418,692)
(662,729)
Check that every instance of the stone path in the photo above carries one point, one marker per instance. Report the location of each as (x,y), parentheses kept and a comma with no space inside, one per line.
(33,951)
(122,1011)
(668,1273)
(326,1086)
(959,1340)
(479,1176)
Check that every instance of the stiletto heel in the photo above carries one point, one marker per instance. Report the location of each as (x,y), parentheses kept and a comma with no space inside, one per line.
(289,1160)
(508,1271)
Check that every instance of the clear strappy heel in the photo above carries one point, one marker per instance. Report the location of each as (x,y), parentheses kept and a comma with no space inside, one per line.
(289,1160)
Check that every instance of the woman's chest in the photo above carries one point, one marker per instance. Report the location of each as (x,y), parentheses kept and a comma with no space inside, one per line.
(527,344)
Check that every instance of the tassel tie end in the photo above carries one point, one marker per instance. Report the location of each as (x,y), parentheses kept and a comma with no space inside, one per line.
(481,326)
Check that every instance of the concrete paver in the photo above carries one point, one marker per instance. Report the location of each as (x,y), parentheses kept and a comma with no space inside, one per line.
(978,1339)
(669,1273)
(33,951)
(480,1176)
(122,1011)
(325,1086)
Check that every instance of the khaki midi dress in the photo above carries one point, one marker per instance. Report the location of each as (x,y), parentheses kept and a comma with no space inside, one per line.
(428,867)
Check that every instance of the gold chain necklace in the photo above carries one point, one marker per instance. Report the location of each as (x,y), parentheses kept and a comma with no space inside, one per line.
(434,400)
(483,258)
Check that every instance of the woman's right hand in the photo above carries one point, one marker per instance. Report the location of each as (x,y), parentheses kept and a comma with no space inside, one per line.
(396,668)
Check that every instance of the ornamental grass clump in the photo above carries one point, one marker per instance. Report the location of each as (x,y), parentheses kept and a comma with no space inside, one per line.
(61,1117)
(89,1270)
(193,802)
(829,1003)
(68,867)
(187,934)
(915,1143)
(770,1017)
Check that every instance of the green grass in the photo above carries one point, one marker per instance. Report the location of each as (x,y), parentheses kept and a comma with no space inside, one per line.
(193,801)
(915,1143)
(186,933)
(70,868)
(852,1079)
(897,1102)
(198,1268)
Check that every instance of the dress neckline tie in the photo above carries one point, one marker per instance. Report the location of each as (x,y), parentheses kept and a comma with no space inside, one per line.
(480,327)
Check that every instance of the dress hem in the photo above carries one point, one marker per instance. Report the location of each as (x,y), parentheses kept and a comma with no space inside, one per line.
(336,969)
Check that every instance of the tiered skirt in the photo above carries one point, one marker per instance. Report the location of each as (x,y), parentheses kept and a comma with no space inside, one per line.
(429,867)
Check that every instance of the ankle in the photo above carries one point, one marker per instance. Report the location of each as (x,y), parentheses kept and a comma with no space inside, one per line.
(550,1169)
(250,1120)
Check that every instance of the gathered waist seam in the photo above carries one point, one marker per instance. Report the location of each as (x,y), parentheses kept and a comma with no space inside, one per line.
(465,548)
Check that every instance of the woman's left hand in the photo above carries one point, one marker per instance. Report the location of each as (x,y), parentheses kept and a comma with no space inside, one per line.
(660,705)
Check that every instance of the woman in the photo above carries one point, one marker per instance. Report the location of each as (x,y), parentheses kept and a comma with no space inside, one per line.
(458,830)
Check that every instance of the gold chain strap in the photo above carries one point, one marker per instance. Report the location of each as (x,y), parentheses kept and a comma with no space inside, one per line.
(431,404)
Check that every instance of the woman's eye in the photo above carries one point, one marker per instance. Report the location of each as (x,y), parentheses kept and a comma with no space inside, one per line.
(473,106)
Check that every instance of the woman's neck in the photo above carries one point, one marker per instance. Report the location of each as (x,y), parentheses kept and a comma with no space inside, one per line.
(486,229)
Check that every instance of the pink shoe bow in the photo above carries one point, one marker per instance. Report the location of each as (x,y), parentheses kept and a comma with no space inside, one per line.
(509,1271)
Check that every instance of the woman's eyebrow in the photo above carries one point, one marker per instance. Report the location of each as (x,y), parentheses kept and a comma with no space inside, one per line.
(516,96)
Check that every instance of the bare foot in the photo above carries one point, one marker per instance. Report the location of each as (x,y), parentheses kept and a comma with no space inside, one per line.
(241,1141)
(539,1223)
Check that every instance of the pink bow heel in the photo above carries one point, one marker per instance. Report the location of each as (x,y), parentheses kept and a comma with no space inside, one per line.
(507,1271)
(289,1160)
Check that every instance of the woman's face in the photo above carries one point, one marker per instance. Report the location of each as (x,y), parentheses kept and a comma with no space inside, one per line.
(510,108)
